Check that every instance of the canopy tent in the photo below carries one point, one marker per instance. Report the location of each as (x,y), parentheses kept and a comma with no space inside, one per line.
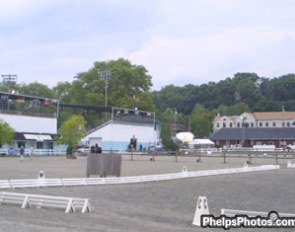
(201,143)
(185,137)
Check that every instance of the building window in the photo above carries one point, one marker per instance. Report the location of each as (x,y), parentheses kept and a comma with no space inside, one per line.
(217,125)
(238,124)
(252,124)
(288,123)
(231,124)
(274,124)
(19,144)
(266,124)
(51,145)
(283,124)
(39,145)
(260,124)
(224,124)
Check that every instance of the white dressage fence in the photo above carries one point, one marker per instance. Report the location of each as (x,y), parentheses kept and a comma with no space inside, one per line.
(39,201)
(234,212)
(290,165)
(44,182)
(33,152)
(202,209)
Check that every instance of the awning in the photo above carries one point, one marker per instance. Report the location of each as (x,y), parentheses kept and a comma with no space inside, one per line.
(37,137)
(201,141)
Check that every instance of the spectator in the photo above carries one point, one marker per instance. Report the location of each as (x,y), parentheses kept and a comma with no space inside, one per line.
(21,152)
(97,148)
(133,142)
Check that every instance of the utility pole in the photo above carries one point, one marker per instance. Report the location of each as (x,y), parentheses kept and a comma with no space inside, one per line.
(9,78)
(106,75)
(175,120)
(244,125)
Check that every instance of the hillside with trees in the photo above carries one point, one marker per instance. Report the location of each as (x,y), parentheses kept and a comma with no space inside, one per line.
(243,92)
(192,105)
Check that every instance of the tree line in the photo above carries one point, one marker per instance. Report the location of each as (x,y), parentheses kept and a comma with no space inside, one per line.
(244,92)
(193,105)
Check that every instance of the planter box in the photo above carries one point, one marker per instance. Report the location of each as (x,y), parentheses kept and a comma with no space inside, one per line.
(104,164)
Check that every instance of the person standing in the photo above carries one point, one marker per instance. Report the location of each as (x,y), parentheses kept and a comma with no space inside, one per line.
(97,148)
(21,152)
(32,152)
(133,143)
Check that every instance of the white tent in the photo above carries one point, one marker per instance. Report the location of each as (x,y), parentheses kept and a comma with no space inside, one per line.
(185,137)
(201,143)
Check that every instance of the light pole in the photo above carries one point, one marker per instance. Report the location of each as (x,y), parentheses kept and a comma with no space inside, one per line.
(243,130)
(106,75)
(175,118)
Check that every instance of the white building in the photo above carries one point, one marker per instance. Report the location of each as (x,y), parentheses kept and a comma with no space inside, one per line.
(201,144)
(255,120)
(116,133)
(33,119)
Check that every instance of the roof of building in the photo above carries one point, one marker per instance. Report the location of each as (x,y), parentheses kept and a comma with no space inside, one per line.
(275,115)
(262,115)
(233,118)
(18,136)
(254,133)
(16,96)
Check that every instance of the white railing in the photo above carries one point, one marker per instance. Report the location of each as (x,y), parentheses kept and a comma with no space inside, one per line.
(290,165)
(28,200)
(233,213)
(34,152)
(44,182)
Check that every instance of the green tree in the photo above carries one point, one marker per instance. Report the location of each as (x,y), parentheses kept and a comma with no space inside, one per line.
(167,118)
(201,122)
(279,89)
(62,92)
(6,133)
(72,130)
(9,87)
(247,91)
(127,83)
(235,109)
(145,102)
(127,87)
(36,89)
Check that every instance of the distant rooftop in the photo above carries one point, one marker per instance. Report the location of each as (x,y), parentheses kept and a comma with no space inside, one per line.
(18,104)
(254,133)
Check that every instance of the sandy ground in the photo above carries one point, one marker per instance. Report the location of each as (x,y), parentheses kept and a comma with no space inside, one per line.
(158,206)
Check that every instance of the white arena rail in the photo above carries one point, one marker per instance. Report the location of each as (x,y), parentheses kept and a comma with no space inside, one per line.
(26,183)
(5,184)
(28,200)
(233,213)
(290,165)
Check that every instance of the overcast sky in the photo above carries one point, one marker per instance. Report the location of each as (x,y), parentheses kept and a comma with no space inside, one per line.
(179,42)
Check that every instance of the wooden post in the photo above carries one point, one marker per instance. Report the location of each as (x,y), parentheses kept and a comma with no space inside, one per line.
(131,154)
(224,157)
(250,158)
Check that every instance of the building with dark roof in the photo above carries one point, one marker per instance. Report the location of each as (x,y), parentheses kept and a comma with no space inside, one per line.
(255,120)
(248,137)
